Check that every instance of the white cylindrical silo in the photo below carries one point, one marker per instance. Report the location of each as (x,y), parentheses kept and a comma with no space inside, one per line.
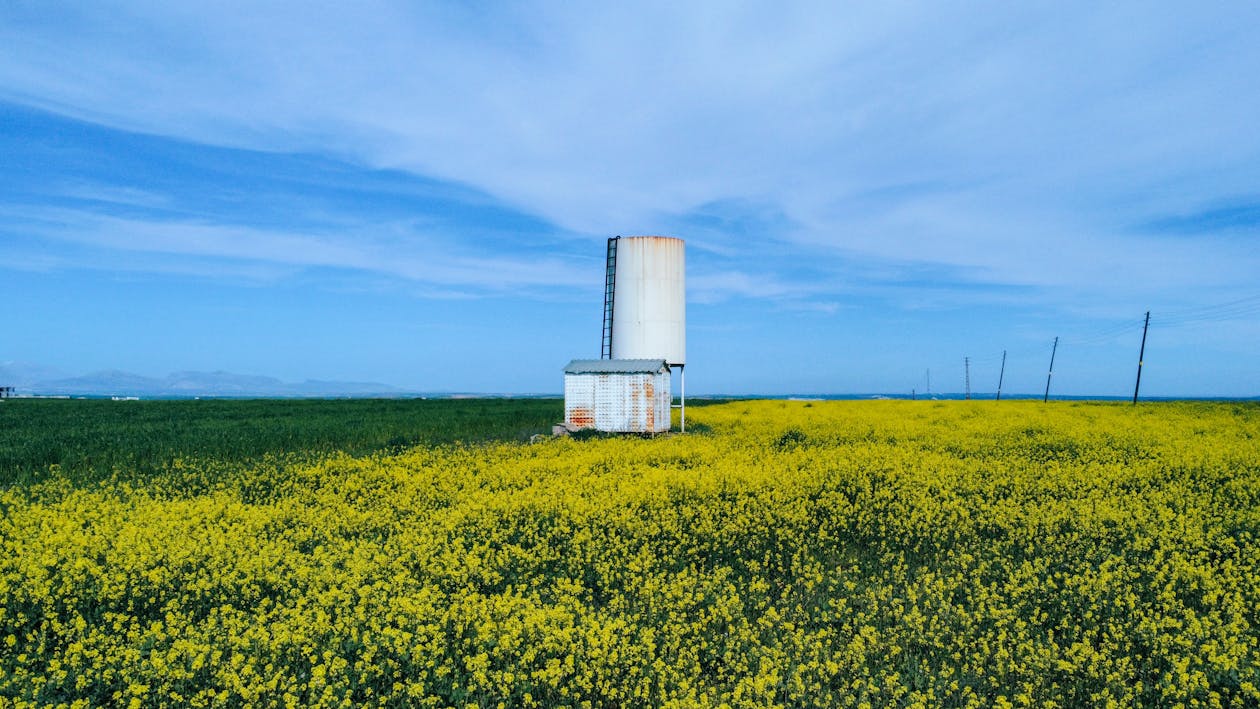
(649,319)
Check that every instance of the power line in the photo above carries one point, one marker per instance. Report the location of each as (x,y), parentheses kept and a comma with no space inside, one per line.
(1106,335)
(1197,309)
(1239,313)
(1231,310)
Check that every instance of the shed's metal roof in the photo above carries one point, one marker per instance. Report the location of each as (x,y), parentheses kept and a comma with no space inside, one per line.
(615,366)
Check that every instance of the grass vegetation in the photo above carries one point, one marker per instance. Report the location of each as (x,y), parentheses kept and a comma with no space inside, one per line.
(94,439)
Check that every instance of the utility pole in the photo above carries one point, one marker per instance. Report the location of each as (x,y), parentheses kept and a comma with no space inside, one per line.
(912,397)
(1046,398)
(1141,355)
(1001,375)
(967,368)
(929,383)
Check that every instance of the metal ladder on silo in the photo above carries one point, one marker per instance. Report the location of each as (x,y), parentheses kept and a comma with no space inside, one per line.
(610,285)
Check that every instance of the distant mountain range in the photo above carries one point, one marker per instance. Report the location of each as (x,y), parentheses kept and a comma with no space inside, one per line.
(33,379)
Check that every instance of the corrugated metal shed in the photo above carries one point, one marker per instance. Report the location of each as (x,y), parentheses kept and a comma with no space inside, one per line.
(619,396)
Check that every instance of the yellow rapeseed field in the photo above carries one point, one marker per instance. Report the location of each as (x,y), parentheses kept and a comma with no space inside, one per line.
(882,553)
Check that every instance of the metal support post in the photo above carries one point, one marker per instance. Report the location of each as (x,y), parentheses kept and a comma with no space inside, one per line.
(1046,398)
(1141,356)
(1001,376)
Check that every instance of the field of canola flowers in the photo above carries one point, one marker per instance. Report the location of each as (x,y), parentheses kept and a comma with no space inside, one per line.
(883,553)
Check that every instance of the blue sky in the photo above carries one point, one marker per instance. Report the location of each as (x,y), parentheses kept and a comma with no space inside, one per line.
(419,194)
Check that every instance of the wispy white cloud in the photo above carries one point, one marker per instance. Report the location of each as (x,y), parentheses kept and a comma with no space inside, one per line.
(394,250)
(721,285)
(109,194)
(1012,145)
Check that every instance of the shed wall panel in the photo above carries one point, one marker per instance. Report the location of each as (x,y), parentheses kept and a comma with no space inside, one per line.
(627,403)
